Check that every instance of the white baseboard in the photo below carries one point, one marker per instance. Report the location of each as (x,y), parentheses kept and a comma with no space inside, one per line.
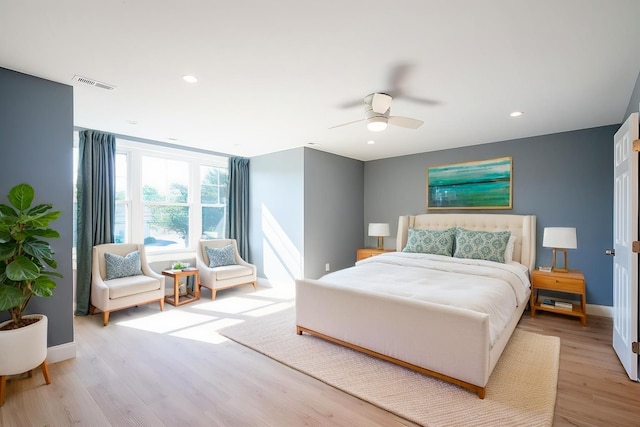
(600,310)
(61,352)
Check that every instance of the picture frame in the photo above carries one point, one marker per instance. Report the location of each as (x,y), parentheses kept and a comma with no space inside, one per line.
(480,184)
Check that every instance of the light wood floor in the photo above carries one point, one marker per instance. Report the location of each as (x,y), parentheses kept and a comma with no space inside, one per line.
(149,368)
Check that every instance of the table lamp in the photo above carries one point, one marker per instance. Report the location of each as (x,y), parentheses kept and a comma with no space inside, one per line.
(379,230)
(559,239)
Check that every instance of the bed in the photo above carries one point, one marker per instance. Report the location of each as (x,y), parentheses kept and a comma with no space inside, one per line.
(390,306)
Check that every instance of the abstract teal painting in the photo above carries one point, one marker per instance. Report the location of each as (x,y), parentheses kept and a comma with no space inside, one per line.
(483,184)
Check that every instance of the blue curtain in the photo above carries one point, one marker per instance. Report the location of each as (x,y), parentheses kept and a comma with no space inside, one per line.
(96,206)
(238,204)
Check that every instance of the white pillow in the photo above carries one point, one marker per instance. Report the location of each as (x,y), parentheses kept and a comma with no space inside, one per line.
(508,252)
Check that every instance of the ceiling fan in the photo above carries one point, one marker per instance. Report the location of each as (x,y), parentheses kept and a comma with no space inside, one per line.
(377,107)
(396,81)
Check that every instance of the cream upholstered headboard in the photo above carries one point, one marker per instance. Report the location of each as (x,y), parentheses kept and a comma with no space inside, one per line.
(521,226)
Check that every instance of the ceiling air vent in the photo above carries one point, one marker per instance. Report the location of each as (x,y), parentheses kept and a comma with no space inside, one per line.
(91,82)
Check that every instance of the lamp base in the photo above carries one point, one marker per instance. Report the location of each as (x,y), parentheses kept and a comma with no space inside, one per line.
(554,268)
(380,242)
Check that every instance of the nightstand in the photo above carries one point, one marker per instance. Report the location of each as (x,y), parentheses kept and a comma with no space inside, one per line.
(369,252)
(571,283)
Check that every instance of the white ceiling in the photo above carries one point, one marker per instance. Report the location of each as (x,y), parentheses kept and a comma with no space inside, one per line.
(276,75)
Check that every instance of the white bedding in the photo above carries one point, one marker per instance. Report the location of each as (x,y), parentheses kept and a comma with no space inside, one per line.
(482,286)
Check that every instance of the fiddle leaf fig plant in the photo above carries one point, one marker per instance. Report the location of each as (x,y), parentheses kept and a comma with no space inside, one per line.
(25,256)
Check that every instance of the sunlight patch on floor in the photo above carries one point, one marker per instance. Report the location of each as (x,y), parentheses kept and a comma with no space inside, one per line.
(201,320)
(166,321)
(232,305)
(278,292)
(273,308)
(207,332)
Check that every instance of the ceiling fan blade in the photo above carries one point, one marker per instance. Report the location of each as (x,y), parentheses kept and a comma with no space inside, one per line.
(423,101)
(348,123)
(380,102)
(399,74)
(405,122)
(351,104)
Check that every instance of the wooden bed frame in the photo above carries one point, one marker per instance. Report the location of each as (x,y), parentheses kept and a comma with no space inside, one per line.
(417,334)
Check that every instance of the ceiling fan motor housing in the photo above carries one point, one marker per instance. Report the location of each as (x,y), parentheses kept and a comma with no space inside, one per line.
(376,121)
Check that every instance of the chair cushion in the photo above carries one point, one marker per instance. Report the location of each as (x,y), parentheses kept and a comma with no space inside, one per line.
(231,271)
(122,266)
(125,286)
(221,256)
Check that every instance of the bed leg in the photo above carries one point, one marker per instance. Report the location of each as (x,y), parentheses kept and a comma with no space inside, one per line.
(298,330)
(481,392)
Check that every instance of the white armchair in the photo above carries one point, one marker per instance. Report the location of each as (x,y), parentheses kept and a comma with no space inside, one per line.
(224,276)
(114,294)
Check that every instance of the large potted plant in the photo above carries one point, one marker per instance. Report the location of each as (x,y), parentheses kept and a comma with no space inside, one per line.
(26,264)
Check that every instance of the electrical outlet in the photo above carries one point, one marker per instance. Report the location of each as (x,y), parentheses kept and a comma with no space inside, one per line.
(327,267)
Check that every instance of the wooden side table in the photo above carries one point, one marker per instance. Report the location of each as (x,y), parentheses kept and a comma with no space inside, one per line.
(192,294)
(369,252)
(572,283)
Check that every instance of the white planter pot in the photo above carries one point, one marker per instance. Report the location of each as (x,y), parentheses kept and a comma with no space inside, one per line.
(23,349)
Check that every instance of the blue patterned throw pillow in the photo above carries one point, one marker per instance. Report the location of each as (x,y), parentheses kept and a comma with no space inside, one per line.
(221,256)
(123,266)
(485,245)
(436,242)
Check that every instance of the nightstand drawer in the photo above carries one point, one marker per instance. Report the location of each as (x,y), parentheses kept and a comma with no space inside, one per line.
(369,252)
(561,284)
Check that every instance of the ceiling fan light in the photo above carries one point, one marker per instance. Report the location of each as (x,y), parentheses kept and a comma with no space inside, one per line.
(377,124)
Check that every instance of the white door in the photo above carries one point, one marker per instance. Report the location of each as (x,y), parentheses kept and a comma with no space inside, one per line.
(625,231)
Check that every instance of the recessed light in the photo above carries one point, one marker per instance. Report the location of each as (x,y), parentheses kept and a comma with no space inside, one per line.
(132,122)
(172,139)
(516,114)
(190,79)
(371,142)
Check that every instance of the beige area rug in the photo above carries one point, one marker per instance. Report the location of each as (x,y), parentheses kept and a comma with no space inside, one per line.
(521,390)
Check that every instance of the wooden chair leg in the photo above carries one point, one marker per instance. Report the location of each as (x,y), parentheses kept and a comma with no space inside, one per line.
(255,285)
(3,387)
(105,318)
(161,304)
(92,310)
(213,294)
(45,372)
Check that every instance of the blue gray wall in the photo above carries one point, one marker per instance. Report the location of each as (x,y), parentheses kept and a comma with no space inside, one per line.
(276,216)
(565,179)
(306,211)
(333,211)
(36,142)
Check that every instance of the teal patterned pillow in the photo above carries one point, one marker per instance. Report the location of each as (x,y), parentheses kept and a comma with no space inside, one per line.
(221,256)
(485,245)
(436,242)
(123,266)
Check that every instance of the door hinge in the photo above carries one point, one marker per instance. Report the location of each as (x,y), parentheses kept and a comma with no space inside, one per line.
(634,347)
(636,145)
(635,247)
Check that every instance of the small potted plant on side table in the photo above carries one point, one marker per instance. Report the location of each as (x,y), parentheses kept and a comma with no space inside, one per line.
(179,266)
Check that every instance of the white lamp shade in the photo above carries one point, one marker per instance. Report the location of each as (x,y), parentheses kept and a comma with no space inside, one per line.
(560,237)
(378,229)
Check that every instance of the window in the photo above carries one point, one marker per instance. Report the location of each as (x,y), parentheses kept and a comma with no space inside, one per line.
(167,198)
(121,220)
(213,197)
